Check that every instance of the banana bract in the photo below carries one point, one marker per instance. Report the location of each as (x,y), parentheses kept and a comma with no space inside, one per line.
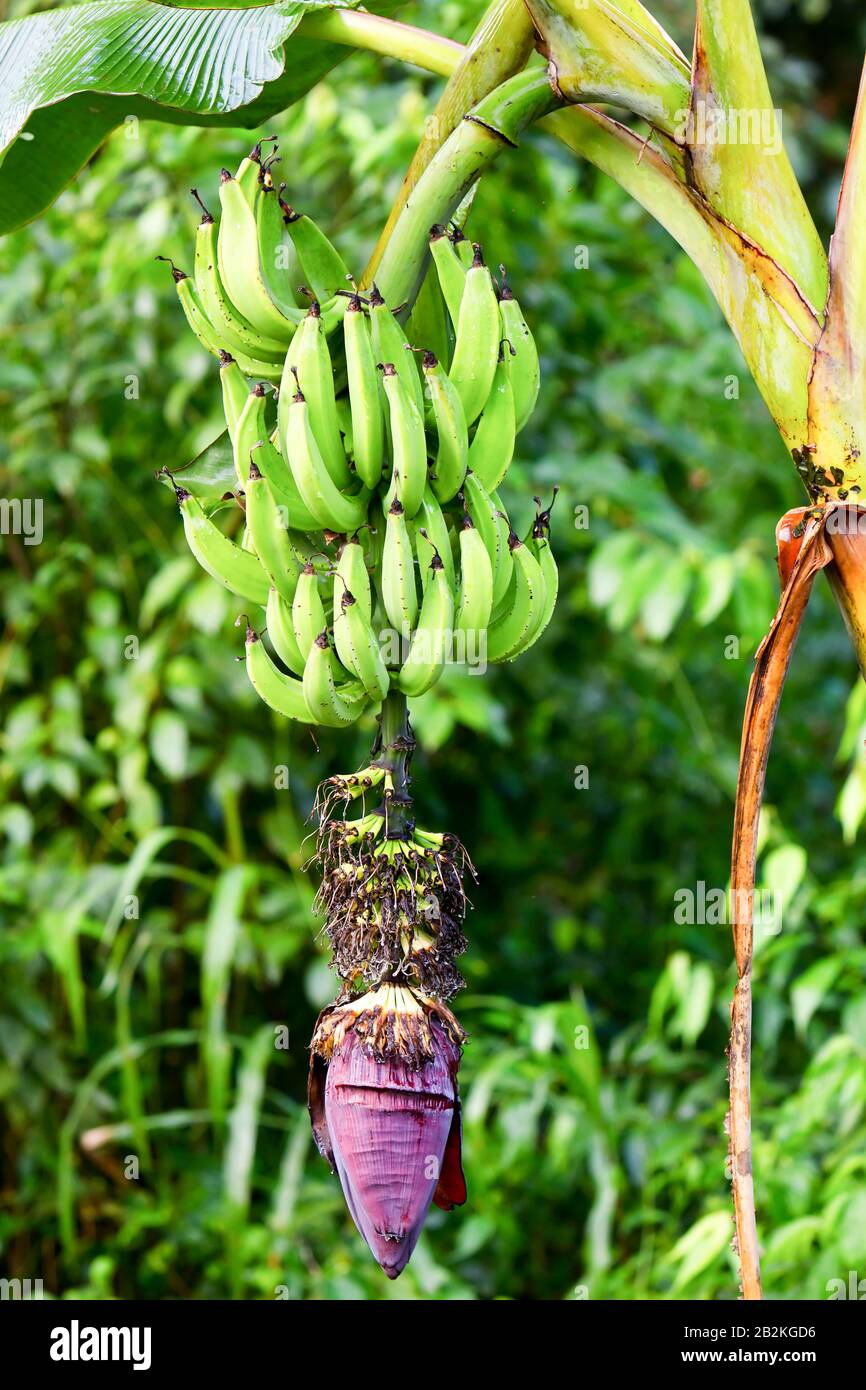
(365,537)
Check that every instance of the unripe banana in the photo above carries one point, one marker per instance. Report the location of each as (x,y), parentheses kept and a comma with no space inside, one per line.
(368,426)
(308,612)
(333,509)
(283,693)
(463,247)
(431,520)
(408,443)
(205,332)
(482,510)
(308,363)
(277,259)
(430,643)
(429,323)
(399,592)
(352,574)
(525,375)
(230,327)
(502,578)
(240,272)
(357,646)
(540,546)
(324,269)
(269,535)
(476,350)
(234,390)
(516,627)
(223,559)
(450,271)
(390,345)
(492,448)
(327,705)
(475,597)
(282,634)
(452,453)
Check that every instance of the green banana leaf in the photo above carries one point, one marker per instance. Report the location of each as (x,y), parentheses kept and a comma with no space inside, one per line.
(69,77)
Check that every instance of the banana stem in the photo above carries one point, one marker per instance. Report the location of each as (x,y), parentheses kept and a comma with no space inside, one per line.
(404,42)
(494,124)
(393,750)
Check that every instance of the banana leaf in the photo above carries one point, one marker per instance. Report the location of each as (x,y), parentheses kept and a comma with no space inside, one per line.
(69,77)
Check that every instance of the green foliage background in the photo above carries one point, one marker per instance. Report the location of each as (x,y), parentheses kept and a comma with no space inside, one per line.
(594,1079)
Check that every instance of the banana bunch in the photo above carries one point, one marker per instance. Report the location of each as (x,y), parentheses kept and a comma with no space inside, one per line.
(367,466)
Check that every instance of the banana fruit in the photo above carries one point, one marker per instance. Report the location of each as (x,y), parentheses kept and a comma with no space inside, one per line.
(373,537)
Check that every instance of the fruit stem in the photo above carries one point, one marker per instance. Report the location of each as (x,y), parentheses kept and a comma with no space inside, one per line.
(393,750)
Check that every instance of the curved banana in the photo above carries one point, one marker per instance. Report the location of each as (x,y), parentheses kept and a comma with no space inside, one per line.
(481,508)
(450,271)
(475,597)
(399,592)
(281,272)
(269,534)
(230,326)
(235,391)
(324,269)
(308,363)
(429,323)
(525,374)
(283,693)
(431,531)
(502,578)
(205,332)
(540,546)
(408,442)
(249,171)
(516,627)
(352,570)
(368,426)
(357,646)
(333,509)
(431,639)
(449,468)
(240,272)
(492,448)
(476,349)
(390,345)
(308,612)
(329,706)
(221,557)
(282,634)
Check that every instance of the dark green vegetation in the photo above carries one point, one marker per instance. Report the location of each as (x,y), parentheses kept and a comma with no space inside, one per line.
(138,773)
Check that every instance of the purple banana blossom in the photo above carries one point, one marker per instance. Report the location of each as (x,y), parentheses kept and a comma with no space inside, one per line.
(391,1128)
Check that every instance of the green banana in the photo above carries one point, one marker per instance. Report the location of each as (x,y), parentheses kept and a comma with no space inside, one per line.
(357,646)
(502,578)
(269,534)
(283,693)
(238,261)
(230,327)
(476,349)
(449,468)
(277,259)
(308,362)
(430,643)
(328,705)
(223,559)
(249,171)
(324,269)
(282,634)
(205,332)
(475,597)
(308,612)
(408,443)
(540,546)
(333,509)
(399,592)
(516,627)
(450,271)
(235,392)
(481,508)
(525,374)
(429,323)
(390,345)
(492,448)
(352,570)
(368,427)
(432,528)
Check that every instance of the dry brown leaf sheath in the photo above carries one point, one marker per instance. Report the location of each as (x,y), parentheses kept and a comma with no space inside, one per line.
(765,692)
